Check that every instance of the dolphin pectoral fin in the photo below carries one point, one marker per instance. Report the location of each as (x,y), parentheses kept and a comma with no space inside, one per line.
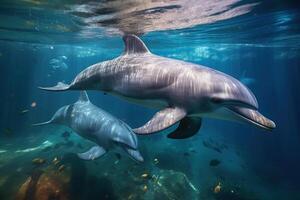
(188,127)
(59,87)
(93,153)
(134,154)
(161,120)
(42,123)
(253,116)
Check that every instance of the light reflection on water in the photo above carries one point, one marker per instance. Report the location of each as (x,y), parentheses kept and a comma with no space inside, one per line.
(62,19)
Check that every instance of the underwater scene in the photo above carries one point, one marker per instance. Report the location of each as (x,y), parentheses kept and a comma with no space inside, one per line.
(149,100)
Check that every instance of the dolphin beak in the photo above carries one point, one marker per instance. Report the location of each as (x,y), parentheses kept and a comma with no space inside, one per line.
(254,117)
(42,123)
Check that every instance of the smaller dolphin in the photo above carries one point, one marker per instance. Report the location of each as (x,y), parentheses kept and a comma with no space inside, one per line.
(98,126)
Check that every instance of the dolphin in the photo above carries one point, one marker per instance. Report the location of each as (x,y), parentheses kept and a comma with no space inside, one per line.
(98,126)
(183,92)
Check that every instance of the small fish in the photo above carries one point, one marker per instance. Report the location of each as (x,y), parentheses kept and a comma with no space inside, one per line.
(55,161)
(116,162)
(211,145)
(145,175)
(186,153)
(217,149)
(217,188)
(145,188)
(22,112)
(33,104)
(38,161)
(63,57)
(205,143)
(156,161)
(214,162)
(3,150)
(61,168)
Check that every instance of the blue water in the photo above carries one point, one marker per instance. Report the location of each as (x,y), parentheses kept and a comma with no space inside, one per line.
(42,43)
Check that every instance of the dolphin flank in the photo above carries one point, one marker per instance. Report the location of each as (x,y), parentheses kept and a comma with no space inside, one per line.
(98,126)
(183,92)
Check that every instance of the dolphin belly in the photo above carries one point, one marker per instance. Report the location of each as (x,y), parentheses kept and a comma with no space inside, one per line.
(148,102)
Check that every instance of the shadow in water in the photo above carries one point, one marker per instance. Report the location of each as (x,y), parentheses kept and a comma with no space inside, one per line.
(99,188)
(87,187)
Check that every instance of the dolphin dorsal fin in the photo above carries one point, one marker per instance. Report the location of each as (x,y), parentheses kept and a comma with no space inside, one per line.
(83,96)
(134,45)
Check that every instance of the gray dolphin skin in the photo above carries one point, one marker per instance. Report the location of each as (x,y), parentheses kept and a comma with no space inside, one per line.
(183,92)
(98,126)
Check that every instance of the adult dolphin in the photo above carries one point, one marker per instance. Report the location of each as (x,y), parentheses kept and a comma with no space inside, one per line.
(184,92)
(98,126)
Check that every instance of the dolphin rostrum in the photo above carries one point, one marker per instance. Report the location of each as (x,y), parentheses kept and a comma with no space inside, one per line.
(184,92)
(98,126)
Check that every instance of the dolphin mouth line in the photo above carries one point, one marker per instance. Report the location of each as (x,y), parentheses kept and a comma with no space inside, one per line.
(130,147)
(257,123)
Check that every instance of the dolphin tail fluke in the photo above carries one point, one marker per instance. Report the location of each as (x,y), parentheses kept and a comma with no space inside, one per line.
(254,117)
(59,87)
(134,154)
(42,123)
